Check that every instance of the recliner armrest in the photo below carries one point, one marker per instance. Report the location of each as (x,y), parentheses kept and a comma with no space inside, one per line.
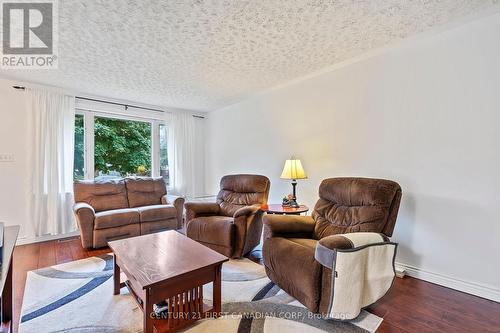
(247,210)
(195,209)
(362,271)
(288,226)
(327,246)
(248,225)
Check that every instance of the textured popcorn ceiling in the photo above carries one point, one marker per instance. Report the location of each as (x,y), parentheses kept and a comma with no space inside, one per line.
(207,54)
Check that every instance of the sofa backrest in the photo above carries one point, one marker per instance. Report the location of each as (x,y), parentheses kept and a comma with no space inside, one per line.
(237,191)
(356,204)
(145,191)
(102,195)
(120,193)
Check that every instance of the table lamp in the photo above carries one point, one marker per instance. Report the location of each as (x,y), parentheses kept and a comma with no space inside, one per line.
(293,170)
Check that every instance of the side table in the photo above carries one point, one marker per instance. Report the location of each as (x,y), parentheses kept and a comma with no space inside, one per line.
(279,209)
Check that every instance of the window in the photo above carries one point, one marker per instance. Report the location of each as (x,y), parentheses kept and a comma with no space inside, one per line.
(121,148)
(163,153)
(111,146)
(79,162)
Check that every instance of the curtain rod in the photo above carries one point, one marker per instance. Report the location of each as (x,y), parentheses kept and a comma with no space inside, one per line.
(114,103)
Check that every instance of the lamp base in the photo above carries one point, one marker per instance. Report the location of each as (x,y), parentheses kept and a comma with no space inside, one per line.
(294,185)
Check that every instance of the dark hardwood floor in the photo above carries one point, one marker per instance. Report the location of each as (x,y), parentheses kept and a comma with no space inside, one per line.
(412,306)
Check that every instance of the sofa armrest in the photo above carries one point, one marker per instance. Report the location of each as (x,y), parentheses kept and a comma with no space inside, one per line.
(196,209)
(83,205)
(328,246)
(169,199)
(178,203)
(85,215)
(288,226)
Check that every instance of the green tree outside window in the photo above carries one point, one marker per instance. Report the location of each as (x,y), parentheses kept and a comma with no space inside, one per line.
(122,146)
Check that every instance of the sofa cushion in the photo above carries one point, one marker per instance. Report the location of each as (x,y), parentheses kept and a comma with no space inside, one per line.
(116,218)
(145,191)
(156,226)
(157,213)
(102,195)
(212,229)
(291,265)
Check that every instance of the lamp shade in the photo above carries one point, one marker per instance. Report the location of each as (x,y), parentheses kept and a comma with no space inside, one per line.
(293,170)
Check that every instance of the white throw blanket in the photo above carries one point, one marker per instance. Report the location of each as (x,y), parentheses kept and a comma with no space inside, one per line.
(360,275)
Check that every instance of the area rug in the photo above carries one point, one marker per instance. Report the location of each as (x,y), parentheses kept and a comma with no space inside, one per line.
(78,297)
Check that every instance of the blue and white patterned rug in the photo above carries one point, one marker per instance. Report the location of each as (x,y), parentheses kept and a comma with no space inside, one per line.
(78,297)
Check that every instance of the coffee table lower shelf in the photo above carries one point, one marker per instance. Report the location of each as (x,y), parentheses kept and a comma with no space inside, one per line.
(186,308)
(171,325)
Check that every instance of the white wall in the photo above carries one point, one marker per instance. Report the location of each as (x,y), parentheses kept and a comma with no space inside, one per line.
(14,176)
(425,113)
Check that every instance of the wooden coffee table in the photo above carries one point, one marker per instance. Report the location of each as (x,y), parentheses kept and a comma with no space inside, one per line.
(168,266)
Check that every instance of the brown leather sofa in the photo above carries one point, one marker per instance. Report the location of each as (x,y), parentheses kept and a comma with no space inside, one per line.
(345,205)
(114,209)
(232,225)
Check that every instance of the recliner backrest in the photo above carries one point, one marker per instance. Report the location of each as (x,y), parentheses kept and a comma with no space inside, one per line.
(237,191)
(356,204)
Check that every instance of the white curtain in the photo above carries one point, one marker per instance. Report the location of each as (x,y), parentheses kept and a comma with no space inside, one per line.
(181,153)
(52,122)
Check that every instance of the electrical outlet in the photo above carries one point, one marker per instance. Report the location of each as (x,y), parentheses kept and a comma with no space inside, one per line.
(6,157)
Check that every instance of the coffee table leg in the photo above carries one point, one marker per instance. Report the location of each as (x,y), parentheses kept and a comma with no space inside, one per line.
(217,291)
(116,277)
(148,310)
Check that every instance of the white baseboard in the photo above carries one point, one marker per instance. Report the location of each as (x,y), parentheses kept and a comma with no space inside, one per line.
(25,240)
(473,288)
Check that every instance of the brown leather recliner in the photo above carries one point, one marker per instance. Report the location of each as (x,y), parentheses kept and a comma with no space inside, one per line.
(112,209)
(232,225)
(345,205)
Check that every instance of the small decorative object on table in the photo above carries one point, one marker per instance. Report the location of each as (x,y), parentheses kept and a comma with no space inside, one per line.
(290,202)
